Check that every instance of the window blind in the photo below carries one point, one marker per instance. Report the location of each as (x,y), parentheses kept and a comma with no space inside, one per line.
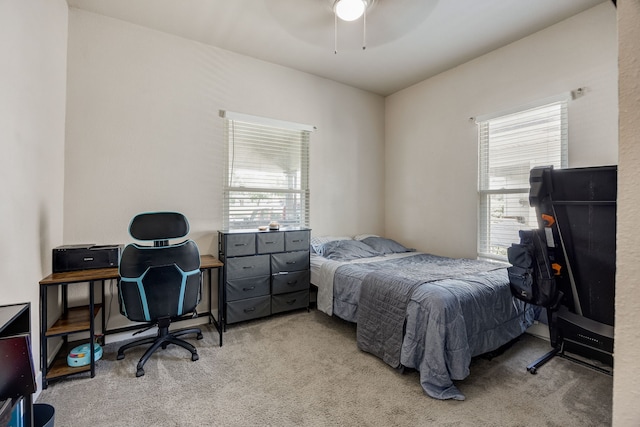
(267,174)
(509,147)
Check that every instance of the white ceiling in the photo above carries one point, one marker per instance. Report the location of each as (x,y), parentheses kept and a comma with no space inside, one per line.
(407,41)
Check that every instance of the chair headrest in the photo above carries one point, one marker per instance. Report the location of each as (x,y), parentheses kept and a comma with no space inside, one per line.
(159,226)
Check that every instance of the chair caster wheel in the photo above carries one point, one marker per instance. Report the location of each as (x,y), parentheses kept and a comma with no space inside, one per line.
(199,336)
(164,346)
(532,371)
(194,357)
(139,372)
(120,356)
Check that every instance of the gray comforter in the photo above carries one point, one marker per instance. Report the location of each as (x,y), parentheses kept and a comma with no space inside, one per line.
(430,313)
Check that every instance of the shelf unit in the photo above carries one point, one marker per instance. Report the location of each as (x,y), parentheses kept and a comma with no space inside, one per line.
(76,320)
(72,320)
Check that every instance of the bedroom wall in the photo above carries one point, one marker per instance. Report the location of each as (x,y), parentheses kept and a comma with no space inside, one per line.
(431,143)
(143,133)
(626,411)
(33,45)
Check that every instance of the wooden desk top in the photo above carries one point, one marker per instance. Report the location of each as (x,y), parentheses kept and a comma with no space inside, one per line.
(209,261)
(206,262)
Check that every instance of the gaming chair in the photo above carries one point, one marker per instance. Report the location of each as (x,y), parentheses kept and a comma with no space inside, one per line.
(159,283)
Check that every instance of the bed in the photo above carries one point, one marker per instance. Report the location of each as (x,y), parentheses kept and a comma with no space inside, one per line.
(417,310)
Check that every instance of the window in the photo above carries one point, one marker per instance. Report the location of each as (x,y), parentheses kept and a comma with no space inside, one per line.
(267,172)
(510,145)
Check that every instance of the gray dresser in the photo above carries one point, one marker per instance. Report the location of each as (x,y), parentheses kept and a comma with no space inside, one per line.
(265,272)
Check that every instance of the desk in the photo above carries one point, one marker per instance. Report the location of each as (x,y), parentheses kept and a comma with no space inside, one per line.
(82,319)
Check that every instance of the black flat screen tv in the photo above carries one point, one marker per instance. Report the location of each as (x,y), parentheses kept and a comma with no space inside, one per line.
(17,376)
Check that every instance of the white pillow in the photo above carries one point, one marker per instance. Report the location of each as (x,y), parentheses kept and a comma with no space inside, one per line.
(364,236)
(317,241)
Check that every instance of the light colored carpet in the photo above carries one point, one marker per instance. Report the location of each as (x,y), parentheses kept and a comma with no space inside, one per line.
(304,369)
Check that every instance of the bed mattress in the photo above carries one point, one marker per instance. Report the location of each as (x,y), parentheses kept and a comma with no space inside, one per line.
(451,316)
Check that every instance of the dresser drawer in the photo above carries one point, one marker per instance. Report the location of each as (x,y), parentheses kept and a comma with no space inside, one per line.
(248,266)
(247,288)
(297,241)
(270,241)
(240,244)
(250,308)
(289,282)
(290,301)
(290,261)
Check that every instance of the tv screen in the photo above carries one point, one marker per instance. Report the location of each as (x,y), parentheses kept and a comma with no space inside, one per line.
(17,376)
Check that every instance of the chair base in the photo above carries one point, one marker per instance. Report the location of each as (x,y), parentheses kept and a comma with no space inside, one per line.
(162,339)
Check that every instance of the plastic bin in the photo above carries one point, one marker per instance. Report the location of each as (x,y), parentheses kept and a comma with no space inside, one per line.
(43,415)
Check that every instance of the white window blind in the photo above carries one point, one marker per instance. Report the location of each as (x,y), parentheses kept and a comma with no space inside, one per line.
(267,173)
(510,146)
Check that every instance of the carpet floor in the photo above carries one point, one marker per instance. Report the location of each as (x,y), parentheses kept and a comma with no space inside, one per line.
(304,369)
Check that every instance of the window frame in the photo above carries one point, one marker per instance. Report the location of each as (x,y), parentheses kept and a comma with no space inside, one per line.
(487,245)
(264,135)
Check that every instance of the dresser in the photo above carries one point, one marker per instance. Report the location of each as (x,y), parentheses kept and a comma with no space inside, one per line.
(264,272)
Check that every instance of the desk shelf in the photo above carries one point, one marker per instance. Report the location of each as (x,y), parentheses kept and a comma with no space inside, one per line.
(72,320)
(76,319)
(59,367)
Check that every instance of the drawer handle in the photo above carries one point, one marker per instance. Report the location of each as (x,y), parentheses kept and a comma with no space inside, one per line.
(249,289)
(290,262)
(247,267)
(249,310)
(269,243)
(291,301)
(297,241)
(240,244)
(292,282)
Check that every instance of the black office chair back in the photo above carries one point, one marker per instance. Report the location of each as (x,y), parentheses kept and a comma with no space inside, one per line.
(163,280)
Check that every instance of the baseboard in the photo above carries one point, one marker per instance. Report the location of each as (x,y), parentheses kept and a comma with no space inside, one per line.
(53,353)
(183,324)
(539,330)
(38,387)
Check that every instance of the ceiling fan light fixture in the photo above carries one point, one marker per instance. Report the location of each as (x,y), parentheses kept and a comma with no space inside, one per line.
(349,10)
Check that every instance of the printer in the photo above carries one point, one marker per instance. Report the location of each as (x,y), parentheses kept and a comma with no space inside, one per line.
(85,256)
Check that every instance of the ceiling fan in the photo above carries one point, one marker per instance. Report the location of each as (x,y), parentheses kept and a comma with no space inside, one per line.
(317,21)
